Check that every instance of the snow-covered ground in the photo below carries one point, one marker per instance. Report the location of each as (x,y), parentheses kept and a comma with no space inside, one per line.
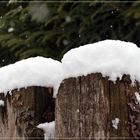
(112,58)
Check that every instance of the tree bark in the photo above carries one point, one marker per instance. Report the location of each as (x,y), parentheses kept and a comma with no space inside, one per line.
(87,105)
(23,111)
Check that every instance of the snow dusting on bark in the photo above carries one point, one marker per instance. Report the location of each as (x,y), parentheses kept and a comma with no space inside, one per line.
(137,97)
(115,123)
(1,103)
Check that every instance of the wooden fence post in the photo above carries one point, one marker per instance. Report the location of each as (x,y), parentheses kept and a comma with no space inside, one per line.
(92,107)
(24,110)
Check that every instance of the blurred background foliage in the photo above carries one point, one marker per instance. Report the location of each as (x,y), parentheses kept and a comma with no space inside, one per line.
(50,29)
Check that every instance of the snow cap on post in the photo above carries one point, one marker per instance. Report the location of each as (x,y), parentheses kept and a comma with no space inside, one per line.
(112,58)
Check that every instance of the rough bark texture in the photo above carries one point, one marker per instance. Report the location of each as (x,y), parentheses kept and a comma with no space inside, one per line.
(23,111)
(86,106)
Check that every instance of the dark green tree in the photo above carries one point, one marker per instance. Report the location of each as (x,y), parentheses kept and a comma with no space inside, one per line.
(50,29)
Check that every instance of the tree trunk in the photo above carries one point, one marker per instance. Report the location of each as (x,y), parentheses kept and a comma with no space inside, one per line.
(87,106)
(23,111)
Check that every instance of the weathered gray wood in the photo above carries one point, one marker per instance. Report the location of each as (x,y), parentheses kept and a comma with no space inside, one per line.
(86,106)
(24,110)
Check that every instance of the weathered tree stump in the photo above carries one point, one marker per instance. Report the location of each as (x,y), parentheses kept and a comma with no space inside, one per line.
(24,110)
(87,106)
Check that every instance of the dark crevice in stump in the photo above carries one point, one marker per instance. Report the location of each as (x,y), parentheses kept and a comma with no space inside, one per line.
(45,105)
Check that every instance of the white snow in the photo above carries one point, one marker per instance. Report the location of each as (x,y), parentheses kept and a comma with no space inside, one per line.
(1,103)
(49,130)
(115,123)
(137,97)
(36,71)
(11,29)
(112,58)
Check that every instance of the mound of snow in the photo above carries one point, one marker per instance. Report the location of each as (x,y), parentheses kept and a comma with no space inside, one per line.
(49,129)
(36,71)
(112,58)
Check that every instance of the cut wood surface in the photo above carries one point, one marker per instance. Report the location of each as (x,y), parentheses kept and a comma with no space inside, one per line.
(87,105)
(23,111)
